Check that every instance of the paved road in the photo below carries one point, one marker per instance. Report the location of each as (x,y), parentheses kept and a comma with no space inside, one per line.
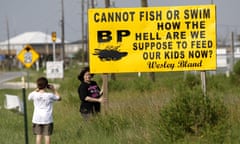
(7,76)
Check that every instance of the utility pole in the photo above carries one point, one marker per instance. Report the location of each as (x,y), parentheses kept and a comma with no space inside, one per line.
(83,40)
(93,3)
(105,76)
(8,46)
(232,51)
(63,34)
(144,3)
(107,3)
(90,4)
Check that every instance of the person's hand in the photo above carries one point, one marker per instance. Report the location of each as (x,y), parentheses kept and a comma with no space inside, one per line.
(102,99)
(51,87)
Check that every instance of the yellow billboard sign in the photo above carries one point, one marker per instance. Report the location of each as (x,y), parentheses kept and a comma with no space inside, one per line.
(152,39)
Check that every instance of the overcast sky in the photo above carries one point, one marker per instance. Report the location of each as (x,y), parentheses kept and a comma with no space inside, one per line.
(45,15)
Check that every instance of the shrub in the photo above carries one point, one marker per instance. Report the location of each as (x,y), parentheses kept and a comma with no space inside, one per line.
(235,77)
(192,80)
(117,85)
(110,123)
(142,84)
(236,68)
(218,82)
(192,113)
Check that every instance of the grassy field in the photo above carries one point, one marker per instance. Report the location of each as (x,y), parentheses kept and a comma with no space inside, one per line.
(131,115)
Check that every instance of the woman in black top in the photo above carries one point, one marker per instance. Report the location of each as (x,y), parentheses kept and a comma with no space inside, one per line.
(89,93)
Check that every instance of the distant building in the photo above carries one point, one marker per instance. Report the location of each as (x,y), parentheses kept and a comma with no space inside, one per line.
(42,44)
(237,51)
(74,47)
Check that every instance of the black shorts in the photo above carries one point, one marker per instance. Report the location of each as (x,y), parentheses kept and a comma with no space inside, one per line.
(42,129)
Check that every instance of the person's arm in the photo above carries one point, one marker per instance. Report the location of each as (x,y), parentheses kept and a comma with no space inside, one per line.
(30,97)
(90,99)
(55,92)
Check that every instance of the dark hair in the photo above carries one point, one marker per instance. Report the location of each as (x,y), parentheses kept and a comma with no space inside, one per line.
(81,75)
(42,83)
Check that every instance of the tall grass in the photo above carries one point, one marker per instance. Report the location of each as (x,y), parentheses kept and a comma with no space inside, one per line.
(131,115)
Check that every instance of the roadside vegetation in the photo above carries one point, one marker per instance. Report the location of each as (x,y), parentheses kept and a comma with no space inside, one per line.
(172,109)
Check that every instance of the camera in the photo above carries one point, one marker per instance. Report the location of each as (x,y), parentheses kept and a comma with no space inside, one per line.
(49,86)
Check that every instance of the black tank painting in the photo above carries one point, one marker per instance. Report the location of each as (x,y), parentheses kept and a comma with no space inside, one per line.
(110,53)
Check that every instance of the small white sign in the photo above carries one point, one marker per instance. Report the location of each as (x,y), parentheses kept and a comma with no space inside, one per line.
(13,102)
(55,69)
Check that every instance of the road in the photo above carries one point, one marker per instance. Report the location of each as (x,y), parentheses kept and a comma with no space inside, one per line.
(7,76)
